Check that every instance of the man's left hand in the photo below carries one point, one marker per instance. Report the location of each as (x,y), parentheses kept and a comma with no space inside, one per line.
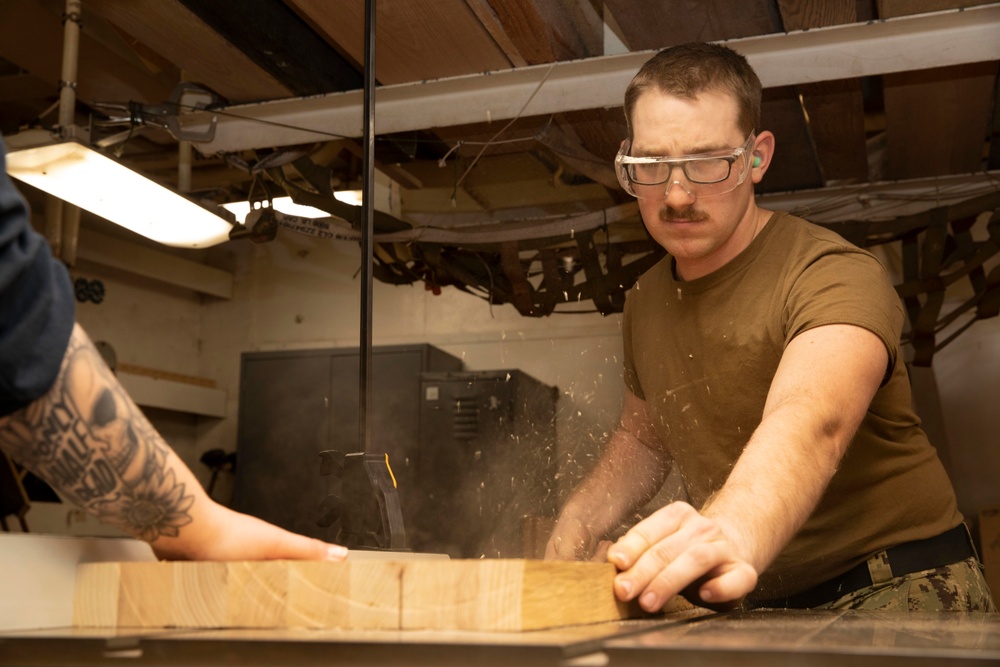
(674,551)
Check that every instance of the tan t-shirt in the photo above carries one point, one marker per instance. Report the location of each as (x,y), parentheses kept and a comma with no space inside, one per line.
(703,353)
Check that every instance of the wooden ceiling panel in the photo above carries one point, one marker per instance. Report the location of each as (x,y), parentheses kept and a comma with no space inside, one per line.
(277,39)
(794,165)
(946,108)
(204,56)
(601,131)
(937,120)
(102,74)
(657,24)
(888,9)
(836,120)
(414,40)
(542,31)
(17,87)
(994,136)
(835,109)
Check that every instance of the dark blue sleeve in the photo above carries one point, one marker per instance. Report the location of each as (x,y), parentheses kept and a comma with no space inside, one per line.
(36,303)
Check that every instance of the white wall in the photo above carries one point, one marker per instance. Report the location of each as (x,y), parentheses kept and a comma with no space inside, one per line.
(968,380)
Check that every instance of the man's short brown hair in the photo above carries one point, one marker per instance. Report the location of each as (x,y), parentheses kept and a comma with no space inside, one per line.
(690,69)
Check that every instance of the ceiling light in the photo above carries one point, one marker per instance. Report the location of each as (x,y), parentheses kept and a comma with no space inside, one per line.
(240,209)
(352,197)
(85,178)
(283,204)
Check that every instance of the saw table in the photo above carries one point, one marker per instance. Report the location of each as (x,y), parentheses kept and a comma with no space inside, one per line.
(761,637)
(37,578)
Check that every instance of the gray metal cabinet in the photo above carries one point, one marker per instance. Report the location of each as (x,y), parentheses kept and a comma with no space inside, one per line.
(488,464)
(295,404)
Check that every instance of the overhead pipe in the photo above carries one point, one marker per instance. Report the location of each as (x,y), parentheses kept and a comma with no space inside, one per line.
(69,215)
(184,156)
(70,59)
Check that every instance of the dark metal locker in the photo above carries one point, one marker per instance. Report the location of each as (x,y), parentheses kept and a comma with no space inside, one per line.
(487,462)
(295,404)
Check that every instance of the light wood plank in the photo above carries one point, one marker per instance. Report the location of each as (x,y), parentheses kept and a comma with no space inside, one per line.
(257,594)
(463,595)
(489,594)
(95,603)
(198,595)
(359,594)
(143,588)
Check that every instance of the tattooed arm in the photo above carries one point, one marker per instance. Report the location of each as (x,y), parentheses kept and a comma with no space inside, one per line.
(87,439)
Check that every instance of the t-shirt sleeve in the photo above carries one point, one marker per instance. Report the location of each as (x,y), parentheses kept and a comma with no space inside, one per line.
(36,304)
(849,286)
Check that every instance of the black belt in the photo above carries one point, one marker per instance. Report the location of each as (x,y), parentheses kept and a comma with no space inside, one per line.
(949,547)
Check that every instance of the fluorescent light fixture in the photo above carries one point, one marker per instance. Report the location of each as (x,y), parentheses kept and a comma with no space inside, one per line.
(352,197)
(285,205)
(85,178)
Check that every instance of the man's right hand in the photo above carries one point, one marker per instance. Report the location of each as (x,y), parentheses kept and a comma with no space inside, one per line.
(572,539)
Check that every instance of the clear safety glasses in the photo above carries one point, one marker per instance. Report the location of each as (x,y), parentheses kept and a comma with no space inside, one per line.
(706,174)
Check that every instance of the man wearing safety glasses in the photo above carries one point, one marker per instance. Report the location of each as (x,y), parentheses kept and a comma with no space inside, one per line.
(762,362)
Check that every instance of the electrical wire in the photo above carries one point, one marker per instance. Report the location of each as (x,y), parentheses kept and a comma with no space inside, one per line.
(503,129)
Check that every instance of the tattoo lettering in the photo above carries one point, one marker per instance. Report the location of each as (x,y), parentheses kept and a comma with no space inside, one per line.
(88,440)
(98,483)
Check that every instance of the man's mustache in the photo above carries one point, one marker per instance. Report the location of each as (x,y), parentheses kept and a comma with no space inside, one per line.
(689,214)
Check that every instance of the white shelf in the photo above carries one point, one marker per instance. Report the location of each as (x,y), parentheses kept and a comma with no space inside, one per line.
(170,395)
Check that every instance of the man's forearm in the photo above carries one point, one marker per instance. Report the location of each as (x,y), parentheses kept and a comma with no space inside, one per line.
(88,440)
(627,476)
(806,428)
(775,485)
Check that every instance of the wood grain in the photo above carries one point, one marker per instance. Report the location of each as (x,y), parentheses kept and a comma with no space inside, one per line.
(835,109)
(414,41)
(948,107)
(487,595)
(172,30)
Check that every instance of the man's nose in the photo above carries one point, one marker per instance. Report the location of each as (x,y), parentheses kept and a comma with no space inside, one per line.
(680,196)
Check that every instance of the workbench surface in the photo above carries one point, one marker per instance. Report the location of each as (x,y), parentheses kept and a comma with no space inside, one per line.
(37,575)
(760,637)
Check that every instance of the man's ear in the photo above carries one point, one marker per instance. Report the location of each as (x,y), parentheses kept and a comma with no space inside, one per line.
(763,151)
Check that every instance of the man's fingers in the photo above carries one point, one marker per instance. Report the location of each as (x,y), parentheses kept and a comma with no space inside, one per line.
(677,549)
(648,532)
(601,555)
(734,583)
(670,567)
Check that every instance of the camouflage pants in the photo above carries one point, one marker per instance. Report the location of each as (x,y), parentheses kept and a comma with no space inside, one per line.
(960,586)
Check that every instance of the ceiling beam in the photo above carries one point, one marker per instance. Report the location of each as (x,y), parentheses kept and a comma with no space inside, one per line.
(823,54)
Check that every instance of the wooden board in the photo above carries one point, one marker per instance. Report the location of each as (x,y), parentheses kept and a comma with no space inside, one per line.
(936,119)
(488,594)
(657,24)
(414,40)
(95,80)
(172,30)
(836,115)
